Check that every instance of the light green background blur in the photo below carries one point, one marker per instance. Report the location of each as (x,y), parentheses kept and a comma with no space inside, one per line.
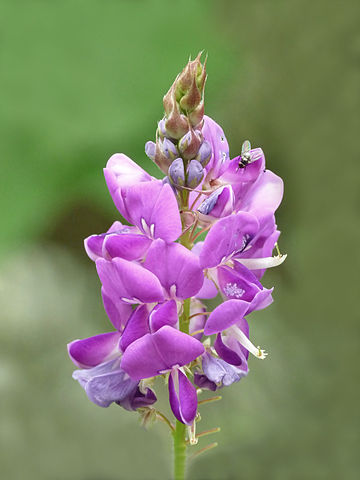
(81,80)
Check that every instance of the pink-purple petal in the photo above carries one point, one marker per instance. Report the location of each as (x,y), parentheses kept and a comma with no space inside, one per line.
(225,315)
(153,208)
(163,314)
(158,352)
(176,267)
(229,236)
(182,397)
(128,281)
(90,352)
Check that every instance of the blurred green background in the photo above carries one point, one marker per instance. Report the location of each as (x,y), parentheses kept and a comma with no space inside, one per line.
(81,80)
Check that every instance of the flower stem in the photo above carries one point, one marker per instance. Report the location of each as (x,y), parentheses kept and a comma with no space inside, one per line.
(179,451)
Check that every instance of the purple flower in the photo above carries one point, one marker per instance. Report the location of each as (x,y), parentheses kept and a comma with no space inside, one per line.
(153,273)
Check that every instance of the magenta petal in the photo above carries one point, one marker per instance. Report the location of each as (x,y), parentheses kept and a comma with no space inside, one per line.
(182,397)
(228,236)
(176,267)
(265,193)
(129,282)
(94,245)
(226,353)
(153,208)
(163,314)
(225,315)
(127,245)
(136,327)
(117,311)
(155,353)
(121,172)
(92,351)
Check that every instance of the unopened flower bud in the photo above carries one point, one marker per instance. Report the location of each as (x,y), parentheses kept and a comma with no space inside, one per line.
(150,148)
(189,144)
(177,172)
(176,124)
(161,128)
(195,173)
(161,160)
(169,149)
(204,154)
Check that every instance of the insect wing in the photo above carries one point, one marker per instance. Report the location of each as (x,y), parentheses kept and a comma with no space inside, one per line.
(246,147)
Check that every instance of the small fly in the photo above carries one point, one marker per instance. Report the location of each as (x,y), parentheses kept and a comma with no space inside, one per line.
(245,158)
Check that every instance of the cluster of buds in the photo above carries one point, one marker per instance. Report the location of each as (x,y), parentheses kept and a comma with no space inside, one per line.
(180,150)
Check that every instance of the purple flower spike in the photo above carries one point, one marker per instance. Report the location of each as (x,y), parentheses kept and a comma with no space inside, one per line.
(182,397)
(153,208)
(176,267)
(154,354)
(177,172)
(92,351)
(128,282)
(228,236)
(105,383)
(195,173)
(225,315)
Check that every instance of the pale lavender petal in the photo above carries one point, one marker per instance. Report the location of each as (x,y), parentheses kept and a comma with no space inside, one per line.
(152,207)
(182,397)
(105,383)
(136,327)
(117,311)
(221,372)
(158,352)
(163,314)
(129,282)
(176,267)
(225,315)
(229,236)
(92,351)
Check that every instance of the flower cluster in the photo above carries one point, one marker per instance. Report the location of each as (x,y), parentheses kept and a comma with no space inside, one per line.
(206,230)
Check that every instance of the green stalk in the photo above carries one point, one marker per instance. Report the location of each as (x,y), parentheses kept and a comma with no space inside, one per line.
(179,451)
